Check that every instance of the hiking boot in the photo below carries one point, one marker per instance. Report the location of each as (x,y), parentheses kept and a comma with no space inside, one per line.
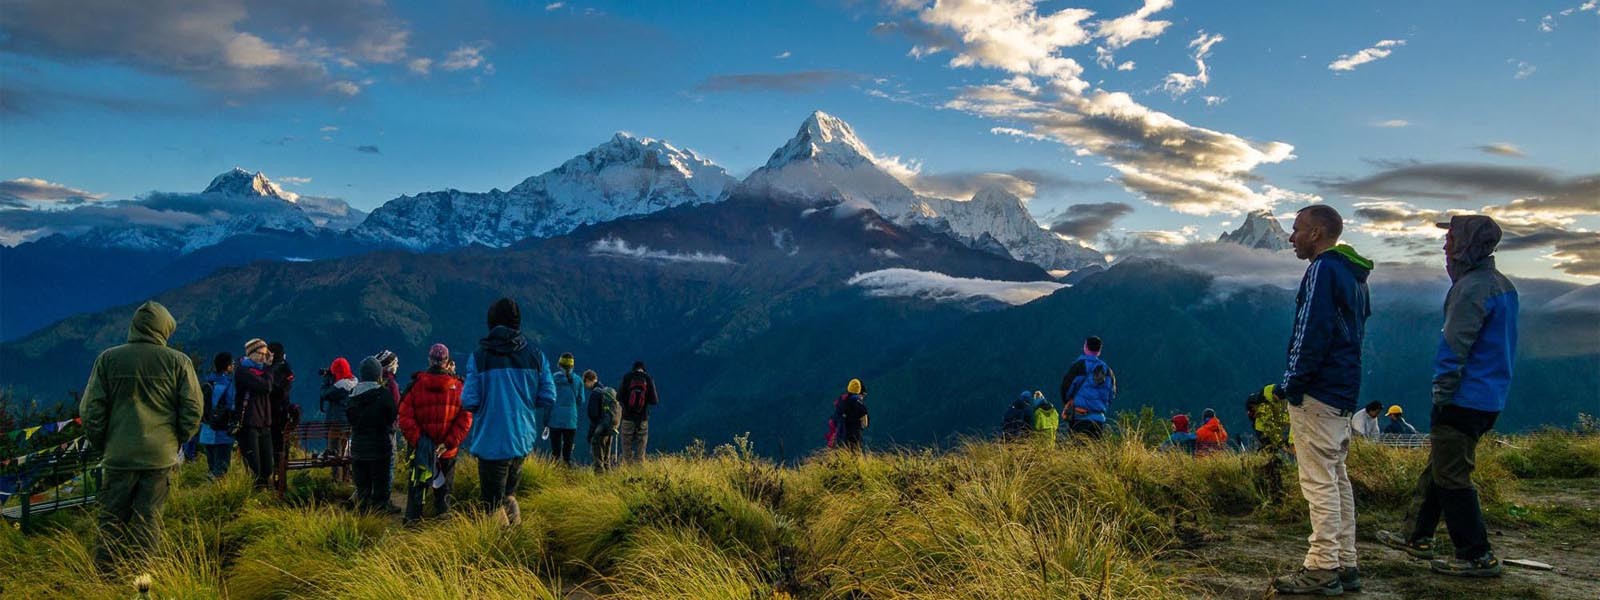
(513,512)
(1323,582)
(1421,549)
(1350,579)
(1483,566)
(499,517)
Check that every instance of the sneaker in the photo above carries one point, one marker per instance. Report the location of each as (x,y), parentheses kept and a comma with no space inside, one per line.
(1350,579)
(1310,581)
(513,512)
(1422,549)
(1484,566)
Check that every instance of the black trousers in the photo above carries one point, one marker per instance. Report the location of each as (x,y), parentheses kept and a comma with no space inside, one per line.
(371,478)
(255,446)
(498,479)
(1085,427)
(561,441)
(441,494)
(1445,487)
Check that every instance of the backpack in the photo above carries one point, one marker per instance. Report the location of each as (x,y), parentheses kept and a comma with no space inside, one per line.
(836,420)
(638,392)
(1095,387)
(217,417)
(1045,418)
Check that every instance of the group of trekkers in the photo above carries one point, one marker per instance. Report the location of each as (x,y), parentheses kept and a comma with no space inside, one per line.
(143,401)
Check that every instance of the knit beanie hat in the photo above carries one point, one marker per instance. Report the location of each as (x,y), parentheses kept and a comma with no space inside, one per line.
(253,345)
(389,361)
(566,361)
(504,313)
(341,369)
(854,387)
(371,369)
(438,354)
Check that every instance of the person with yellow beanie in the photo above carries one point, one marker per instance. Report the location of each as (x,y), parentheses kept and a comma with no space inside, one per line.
(1397,422)
(849,417)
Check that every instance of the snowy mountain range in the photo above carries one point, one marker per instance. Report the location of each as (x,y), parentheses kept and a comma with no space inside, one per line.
(623,177)
(826,161)
(1261,231)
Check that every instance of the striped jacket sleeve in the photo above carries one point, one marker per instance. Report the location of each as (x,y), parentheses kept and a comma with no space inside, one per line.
(1314,323)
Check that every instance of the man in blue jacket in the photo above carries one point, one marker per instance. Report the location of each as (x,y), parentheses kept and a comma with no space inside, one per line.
(1471,375)
(507,380)
(1321,385)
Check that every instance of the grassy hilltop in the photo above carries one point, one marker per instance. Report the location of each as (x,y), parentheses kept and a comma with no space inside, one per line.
(987,520)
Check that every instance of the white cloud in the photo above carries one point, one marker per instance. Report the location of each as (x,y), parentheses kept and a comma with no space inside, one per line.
(1392,123)
(783,55)
(1524,70)
(1214,100)
(1349,62)
(1179,84)
(554,6)
(467,56)
(939,287)
(328,129)
(1127,66)
(1502,149)
(344,87)
(1012,131)
(29,192)
(621,248)
(1135,26)
(420,66)
(295,180)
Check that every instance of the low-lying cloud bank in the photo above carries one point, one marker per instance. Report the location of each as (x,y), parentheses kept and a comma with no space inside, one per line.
(621,248)
(939,287)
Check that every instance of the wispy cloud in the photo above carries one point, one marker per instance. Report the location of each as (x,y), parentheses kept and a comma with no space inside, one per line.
(1179,84)
(1501,149)
(1022,183)
(554,6)
(1392,123)
(1382,49)
(1087,221)
(1523,69)
(294,180)
(795,82)
(32,191)
(368,149)
(621,248)
(938,287)
(1134,26)
(783,55)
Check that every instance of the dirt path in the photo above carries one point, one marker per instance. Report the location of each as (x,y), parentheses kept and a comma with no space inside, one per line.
(1246,553)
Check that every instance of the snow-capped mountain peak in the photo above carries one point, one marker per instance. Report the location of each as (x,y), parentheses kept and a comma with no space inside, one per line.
(822,137)
(239,182)
(1261,231)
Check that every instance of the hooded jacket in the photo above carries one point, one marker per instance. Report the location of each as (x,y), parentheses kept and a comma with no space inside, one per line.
(432,409)
(371,412)
(1018,419)
(1330,320)
(143,400)
(506,381)
(1478,343)
(569,395)
(253,389)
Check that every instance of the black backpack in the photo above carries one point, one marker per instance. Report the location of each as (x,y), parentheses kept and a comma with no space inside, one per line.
(217,417)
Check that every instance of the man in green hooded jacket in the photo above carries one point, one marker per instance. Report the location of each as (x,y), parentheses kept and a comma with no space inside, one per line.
(142,402)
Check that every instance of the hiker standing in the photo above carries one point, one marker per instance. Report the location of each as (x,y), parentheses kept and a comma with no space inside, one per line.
(638,393)
(1018,420)
(1321,385)
(141,403)
(605,416)
(1212,437)
(1397,422)
(1087,391)
(285,413)
(1365,423)
(849,417)
(506,381)
(391,368)
(337,383)
(1181,439)
(253,387)
(1472,372)
(220,415)
(371,412)
(562,418)
(434,425)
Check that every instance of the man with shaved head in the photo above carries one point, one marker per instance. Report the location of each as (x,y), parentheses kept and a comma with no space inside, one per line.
(1321,386)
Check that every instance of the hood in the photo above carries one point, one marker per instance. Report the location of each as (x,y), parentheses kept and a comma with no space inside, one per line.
(503,340)
(152,324)
(1361,265)
(1020,403)
(345,384)
(341,369)
(1476,237)
(1180,423)
(364,387)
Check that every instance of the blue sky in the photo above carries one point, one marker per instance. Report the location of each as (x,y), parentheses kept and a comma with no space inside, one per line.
(1462,105)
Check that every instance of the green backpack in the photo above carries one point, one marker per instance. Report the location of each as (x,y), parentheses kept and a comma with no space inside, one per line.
(1045,418)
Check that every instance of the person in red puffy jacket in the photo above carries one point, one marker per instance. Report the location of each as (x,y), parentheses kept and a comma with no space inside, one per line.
(433,422)
(1211,437)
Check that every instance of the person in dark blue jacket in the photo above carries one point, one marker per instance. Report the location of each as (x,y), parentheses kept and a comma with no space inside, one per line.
(1018,420)
(1321,386)
(1472,372)
(507,381)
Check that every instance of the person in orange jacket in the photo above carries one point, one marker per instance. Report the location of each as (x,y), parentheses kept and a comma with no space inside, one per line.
(1211,437)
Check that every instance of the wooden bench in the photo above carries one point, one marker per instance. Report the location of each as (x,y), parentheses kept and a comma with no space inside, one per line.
(55,471)
(334,452)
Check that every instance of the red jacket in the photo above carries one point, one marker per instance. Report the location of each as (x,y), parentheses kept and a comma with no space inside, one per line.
(1210,438)
(433,406)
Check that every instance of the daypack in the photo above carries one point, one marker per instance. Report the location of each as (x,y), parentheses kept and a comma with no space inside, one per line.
(835,421)
(638,394)
(1045,418)
(610,412)
(1094,391)
(217,417)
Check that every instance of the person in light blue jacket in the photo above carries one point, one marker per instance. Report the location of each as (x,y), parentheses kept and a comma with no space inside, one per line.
(562,417)
(215,440)
(506,383)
